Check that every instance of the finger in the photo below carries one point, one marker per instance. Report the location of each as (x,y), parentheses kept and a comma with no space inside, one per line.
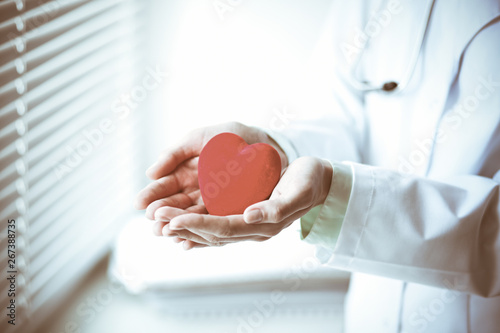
(157,228)
(212,239)
(161,188)
(209,240)
(178,240)
(184,234)
(276,210)
(179,200)
(167,213)
(221,226)
(188,245)
(163,217)
(198,209)
(170,159)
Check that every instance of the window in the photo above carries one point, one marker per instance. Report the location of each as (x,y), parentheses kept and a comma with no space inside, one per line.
(67,69)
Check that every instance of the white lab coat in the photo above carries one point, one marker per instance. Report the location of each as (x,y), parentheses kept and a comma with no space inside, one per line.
(422,230)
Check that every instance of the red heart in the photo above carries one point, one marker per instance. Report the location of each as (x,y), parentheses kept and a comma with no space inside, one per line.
(234,175)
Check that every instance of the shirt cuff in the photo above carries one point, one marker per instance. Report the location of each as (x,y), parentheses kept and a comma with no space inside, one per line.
(321,225)
(285,144)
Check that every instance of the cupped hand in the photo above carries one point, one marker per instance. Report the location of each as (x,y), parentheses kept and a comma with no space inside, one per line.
(175,174)
(304,185)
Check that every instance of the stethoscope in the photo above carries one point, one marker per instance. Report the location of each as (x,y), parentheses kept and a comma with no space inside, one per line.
(392,86)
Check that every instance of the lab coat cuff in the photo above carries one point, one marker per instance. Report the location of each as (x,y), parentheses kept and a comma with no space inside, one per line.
(285,144)
(321,226)
(355,219)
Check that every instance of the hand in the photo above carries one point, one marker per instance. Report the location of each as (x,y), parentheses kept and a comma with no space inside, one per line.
(304,185)
(175,174)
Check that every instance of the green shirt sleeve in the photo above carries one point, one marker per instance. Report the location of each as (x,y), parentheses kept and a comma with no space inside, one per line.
(322,224)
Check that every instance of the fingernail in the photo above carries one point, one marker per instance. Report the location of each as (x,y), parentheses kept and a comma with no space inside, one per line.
(169,233)
(136,205)
(159,217)
(253,216)
(151,167)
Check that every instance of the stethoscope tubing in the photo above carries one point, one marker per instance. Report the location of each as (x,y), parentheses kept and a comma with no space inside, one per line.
(391,86)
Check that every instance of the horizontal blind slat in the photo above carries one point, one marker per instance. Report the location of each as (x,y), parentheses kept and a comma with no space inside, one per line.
(114,40)
(73,158)
(12,152)
(40,117)
(46,287)
(64,146)
(88,170)
(8,10)
(80,16)
(68,94)
(66,234)
(12,49)
(63,87)
(8,134)
(49,18)
(8,195)
(67,77)
(36,16)
(10,30)
(13,89)
(8,211)
(55,149)
(57,146)
(42,207)
(94,28)
(8,175)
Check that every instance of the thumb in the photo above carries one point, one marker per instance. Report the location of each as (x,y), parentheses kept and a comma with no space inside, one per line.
(273,210)
(170,159)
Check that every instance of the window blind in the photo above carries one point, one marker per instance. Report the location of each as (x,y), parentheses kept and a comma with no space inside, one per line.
(64,180)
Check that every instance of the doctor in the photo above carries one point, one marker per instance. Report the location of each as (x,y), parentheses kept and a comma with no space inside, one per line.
(401,185)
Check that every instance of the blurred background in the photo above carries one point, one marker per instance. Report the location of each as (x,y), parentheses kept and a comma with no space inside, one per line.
(90,93)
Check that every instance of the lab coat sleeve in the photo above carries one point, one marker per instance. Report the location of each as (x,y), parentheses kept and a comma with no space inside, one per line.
(322,224)
(443,234)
